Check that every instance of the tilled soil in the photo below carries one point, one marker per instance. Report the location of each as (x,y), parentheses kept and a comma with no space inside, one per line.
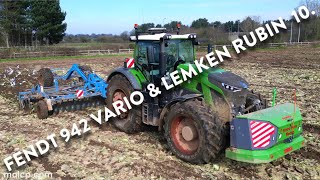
(110,154)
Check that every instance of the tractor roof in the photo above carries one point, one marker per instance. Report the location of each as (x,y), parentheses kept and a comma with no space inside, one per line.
(157,37)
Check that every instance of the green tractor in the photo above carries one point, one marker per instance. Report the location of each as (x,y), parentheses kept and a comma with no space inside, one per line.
(210,113)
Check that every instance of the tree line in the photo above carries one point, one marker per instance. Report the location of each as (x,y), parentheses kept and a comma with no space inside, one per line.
(31,22)
(218,32)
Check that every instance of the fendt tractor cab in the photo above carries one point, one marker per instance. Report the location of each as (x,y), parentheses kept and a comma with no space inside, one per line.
(205,115)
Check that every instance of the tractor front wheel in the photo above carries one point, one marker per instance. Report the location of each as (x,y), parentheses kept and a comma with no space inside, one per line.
(193,132)
(118,88)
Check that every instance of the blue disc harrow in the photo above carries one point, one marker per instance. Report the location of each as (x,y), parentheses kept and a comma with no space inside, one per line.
(84,89)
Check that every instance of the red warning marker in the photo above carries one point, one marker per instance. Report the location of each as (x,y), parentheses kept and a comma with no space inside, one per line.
(80,93)
(130,62)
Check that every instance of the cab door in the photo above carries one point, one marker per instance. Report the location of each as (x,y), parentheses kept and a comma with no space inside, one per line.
(148,68)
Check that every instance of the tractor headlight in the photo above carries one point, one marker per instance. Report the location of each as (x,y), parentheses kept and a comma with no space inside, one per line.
(192,36)
(167,36)
(231,88)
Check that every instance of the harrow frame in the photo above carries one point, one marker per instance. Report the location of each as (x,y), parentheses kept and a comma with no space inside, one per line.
(91,85)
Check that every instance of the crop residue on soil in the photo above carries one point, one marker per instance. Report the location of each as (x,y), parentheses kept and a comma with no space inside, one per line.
(108,153)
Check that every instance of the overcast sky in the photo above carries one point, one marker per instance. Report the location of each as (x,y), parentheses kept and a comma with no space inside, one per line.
(112,16)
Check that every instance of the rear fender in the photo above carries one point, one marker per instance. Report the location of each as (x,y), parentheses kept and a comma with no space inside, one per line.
(134,77)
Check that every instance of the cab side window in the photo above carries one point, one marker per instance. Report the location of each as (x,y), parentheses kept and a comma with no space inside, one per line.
(142,53)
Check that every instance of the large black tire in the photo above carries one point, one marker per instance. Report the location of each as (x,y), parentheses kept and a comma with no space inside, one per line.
(42,109)
(210,139)
(129,122)
(252,98)
(45,77)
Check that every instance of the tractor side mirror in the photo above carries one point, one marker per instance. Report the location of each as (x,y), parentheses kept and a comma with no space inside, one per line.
(150,54)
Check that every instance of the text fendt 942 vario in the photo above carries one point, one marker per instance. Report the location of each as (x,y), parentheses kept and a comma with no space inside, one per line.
(207,114)
(212,112)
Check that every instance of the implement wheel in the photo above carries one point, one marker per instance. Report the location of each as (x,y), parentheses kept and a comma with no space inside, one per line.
(193,132)
(45,77)
(42,109)
(118,88)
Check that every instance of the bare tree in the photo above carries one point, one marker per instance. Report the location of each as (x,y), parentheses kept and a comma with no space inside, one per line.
(250,23)
(312,5)
(5,36)
(310,30)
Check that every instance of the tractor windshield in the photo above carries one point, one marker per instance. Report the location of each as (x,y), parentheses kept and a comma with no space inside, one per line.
(179,50)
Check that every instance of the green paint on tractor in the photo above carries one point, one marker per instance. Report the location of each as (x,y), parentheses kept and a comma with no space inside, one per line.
(265,156)
(140,78)
(195,114)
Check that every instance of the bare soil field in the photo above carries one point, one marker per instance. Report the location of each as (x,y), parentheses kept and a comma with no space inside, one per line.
(107,153)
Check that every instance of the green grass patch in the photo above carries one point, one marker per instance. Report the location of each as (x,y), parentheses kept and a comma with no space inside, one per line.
(316,45)
(64,57)
(89,44)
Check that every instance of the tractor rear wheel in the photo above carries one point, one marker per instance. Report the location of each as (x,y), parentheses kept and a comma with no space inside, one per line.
(45,77)
(194,132)
(118,88)
(42,109)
